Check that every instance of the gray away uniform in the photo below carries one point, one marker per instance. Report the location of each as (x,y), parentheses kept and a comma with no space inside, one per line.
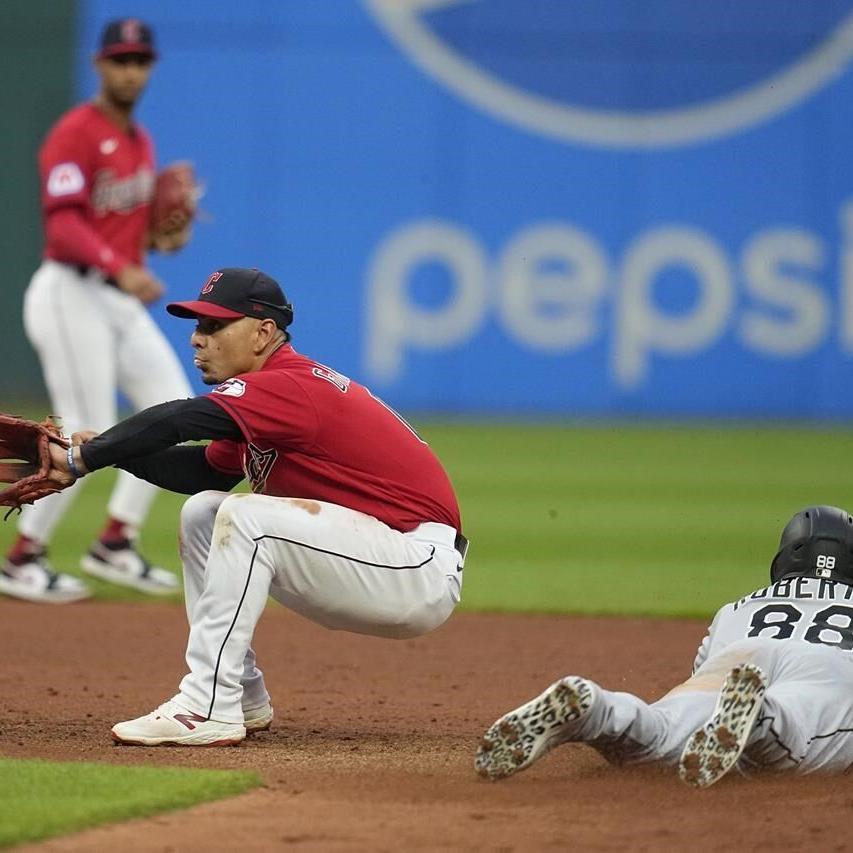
(800,632)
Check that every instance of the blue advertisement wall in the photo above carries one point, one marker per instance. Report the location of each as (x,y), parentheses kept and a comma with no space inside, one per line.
(521,206)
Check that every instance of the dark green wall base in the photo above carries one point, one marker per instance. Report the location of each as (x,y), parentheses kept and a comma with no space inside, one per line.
(37,70)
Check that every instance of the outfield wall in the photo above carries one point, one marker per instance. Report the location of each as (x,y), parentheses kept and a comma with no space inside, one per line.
(520,206)
(36,58)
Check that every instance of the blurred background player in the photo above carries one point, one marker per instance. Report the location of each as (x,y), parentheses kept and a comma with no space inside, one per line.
(770,689)
(84,311)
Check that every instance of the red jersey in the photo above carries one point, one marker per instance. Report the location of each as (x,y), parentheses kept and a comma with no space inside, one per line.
(310,432)
(89,163)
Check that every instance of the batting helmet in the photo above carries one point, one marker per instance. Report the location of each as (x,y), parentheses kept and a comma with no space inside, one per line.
(817,542)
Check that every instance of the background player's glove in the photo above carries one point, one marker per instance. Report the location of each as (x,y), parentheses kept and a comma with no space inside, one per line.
(25,459)
(174,207)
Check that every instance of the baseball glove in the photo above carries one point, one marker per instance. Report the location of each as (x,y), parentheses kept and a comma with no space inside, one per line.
(174,206)
(25,459)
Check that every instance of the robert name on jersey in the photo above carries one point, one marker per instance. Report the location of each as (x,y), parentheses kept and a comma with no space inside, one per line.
(818,589)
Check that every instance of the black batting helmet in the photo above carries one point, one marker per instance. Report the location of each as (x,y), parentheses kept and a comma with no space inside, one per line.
(816,543)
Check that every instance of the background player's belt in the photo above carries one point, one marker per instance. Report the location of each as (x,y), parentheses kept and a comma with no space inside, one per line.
(84,270)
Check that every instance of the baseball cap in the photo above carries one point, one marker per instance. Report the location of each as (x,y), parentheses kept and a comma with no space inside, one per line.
(234,292)
(126,35)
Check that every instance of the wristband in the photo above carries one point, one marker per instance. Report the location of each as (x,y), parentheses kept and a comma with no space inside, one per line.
(72,467)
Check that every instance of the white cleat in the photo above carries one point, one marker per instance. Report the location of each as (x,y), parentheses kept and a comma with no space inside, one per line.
(258,719)
(524,735)
(37,581)
(173,725)
(127,567)
(710,752)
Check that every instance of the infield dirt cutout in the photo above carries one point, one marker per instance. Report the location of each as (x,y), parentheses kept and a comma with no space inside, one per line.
(373,742)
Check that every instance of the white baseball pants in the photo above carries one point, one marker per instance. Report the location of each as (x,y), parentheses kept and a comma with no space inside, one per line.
(93,339)
(805,723)
(337,567)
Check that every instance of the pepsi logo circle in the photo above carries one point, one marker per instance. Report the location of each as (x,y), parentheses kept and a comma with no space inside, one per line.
(613,73)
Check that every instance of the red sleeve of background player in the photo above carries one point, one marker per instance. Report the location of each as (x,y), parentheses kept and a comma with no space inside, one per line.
(74,241)
(65,167)
(225,456)
(269,406)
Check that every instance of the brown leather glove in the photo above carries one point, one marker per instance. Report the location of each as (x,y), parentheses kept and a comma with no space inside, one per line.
(25,461)
(174,207)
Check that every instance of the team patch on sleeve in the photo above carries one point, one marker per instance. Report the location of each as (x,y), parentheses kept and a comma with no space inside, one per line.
(65,179)
(231,388)
(257,464)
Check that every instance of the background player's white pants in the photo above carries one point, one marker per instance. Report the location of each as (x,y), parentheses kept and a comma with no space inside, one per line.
(91,339)
(805,723)
(339,568)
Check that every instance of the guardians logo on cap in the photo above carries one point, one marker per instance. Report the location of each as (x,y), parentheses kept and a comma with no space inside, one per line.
(208,287)
(126,36)
(234,292)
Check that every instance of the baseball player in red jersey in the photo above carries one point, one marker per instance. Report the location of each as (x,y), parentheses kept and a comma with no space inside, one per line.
(84,311)
(352,521)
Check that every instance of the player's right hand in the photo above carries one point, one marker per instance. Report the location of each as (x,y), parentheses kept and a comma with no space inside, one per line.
(139,282)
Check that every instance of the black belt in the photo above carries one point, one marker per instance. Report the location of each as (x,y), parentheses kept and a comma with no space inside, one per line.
(84,270)
(461,545)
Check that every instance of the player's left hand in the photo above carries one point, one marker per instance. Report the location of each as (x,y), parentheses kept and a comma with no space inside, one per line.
(34,460)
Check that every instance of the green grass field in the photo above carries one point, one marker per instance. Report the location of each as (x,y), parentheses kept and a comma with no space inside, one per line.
(658,520)
(44,798)
(652,519)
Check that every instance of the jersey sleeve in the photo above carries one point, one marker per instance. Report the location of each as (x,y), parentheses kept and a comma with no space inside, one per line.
(69,233)
(65,168)
(225,456)
(704,650)
(269,406)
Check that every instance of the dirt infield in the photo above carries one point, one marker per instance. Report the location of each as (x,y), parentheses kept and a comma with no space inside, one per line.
(373,740)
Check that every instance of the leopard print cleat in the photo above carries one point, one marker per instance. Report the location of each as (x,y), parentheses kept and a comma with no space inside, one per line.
(710,752)
(524,735)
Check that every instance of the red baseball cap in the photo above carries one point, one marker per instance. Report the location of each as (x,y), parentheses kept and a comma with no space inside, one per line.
(234,292)
(126,35)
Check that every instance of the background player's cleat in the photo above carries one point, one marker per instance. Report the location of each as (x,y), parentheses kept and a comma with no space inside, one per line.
(258,719)
(710,752)
(36,580)
(123,564)
(524,735)
(173,725)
